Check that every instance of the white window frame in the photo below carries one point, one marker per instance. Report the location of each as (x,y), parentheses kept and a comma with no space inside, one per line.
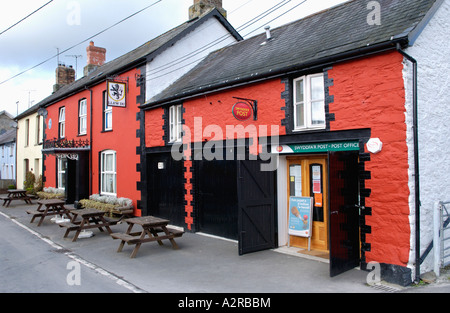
(175,123)
(62,122)
(82,117)
(107,114)
(307,104)
(61,173)
(104,173)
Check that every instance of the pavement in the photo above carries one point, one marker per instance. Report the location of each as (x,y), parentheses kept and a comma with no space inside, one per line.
(202,264)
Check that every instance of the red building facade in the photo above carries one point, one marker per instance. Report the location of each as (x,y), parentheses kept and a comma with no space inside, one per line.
(83,127)
(332,109)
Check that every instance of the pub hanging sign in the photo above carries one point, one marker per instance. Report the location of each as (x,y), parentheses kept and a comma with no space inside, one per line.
(117,94)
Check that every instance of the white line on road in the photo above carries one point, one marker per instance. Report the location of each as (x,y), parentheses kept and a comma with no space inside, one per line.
(78,259)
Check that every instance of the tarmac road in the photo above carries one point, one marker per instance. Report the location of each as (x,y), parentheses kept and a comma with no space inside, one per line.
(39,259)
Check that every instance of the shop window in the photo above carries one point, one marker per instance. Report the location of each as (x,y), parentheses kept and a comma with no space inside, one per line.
(62,122)
(175,123)
(108,173)
(309,102)
(82,117)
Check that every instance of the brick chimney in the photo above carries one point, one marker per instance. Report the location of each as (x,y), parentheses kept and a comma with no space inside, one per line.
(202,6)
(64,76)
(96,57)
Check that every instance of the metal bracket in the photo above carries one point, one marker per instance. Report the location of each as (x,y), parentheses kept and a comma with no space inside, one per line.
(253,104)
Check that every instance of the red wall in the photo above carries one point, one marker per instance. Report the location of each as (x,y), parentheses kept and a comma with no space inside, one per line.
(369,93)
(122,138)
(216,109)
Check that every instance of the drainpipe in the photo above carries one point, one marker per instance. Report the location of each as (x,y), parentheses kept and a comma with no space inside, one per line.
(90,140)
(416,160)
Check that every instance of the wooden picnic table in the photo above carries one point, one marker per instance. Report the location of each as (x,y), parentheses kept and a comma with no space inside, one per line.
(151,226)
(90,218)
(15,194)
(49,207)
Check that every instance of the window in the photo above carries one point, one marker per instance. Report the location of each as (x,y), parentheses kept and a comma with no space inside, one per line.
(62,166)
(309,102)
(82,117)
(38,130)
(27,132)
(175,123)
(108,173)
(62,122)
(107,114)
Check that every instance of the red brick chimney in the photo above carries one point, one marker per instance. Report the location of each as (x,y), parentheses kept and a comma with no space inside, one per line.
(96,57)
(64,76)
(202,6)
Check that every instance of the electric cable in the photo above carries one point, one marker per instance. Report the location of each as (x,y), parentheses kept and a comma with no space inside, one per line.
(73,46)
(185,57)
(4,31)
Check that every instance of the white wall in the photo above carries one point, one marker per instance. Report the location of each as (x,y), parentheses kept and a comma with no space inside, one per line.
(177,60)
(431,50)
(32,151)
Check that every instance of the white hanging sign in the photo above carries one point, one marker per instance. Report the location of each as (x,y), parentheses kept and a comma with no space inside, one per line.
(117,94)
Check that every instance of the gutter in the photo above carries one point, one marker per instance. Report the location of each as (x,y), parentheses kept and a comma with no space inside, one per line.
(416,160)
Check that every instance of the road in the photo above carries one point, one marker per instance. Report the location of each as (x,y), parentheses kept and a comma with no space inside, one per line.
(38,259)
(30,264)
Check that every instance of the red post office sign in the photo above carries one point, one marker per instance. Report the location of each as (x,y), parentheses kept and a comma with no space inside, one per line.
(242,111)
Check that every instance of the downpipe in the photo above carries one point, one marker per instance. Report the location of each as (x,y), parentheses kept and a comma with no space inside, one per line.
(416,160)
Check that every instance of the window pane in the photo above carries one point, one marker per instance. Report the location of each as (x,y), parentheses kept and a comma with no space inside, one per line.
(109,162)
(299,92)
(62,114)
(318,112)
(317,88)
(108,120)
(295,180)
(300,115)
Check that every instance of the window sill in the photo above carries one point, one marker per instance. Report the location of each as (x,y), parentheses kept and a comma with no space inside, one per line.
(308,129)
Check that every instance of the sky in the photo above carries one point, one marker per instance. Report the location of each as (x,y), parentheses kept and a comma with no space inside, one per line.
(30,41)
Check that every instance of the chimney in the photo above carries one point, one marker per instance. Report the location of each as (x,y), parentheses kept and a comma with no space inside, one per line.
(96,57)
(64,76)
(202,6)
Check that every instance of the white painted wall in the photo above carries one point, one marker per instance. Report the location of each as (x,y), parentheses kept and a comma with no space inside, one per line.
(431,50)
(282,178)
(177,60)
(32,151)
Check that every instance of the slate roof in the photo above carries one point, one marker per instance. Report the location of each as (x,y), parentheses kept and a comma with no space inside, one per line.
(8,136)
(328,35)
(137,56)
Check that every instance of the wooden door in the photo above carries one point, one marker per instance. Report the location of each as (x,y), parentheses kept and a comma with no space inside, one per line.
(256,190)
(307,177)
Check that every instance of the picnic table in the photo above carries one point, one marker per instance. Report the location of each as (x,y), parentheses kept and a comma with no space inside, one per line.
(15,194)
(86,219)
(51,207)
(150,228)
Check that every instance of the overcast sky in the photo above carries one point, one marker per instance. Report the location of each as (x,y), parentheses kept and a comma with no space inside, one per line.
(63,24)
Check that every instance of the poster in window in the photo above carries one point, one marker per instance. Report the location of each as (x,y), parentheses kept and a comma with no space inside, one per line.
(300,216)
(117,94)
